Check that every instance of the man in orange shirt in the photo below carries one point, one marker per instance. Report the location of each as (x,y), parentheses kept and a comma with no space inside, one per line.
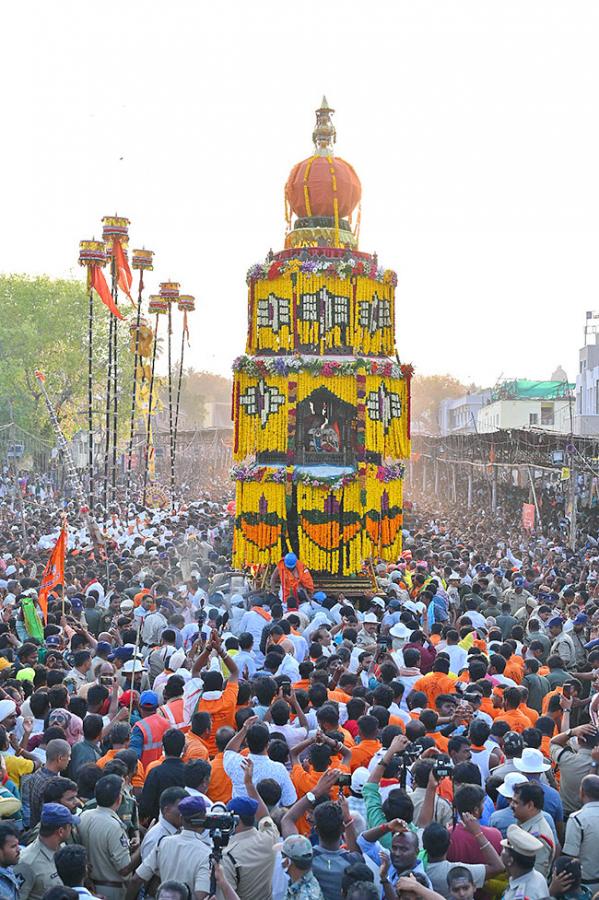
(436,682)
(531,713)
(307,775)
(514,716)
(220,789)
(369,744)
(215,698)
(195,747)
(328,720)
(514,665)
(429,719)
(119,739)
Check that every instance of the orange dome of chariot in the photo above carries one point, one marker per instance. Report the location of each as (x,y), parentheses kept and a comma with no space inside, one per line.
(315,183)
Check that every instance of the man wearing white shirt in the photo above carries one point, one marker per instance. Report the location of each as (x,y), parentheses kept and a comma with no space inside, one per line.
(255,621)
(298,640)
(289,667)
(257,736)
(458,657)
(94,585)
(246,659)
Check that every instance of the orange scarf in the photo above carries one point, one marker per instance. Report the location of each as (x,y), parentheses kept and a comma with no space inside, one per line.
(262,612)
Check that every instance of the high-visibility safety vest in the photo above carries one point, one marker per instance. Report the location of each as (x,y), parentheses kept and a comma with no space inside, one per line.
(174,711)
(152,729)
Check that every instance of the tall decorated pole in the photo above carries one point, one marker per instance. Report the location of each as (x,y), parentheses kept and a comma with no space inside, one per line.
(186,304)
(142,260)
(116,236)
(157,306)
(92,255)
(169,290)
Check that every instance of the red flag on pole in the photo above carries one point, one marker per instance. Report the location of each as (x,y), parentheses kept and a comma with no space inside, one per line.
(125,278)
(53,573)
(98,282)
(528,516)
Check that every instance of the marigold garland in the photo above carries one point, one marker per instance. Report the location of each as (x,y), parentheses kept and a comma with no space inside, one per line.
(259,524)
(386,434)
(320,317)
(301,309)
(285,365)
(341,267)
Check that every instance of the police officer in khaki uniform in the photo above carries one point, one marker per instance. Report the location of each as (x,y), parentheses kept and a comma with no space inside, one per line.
(518,856)
(180,857)
(35,870)
(582,833)
(105,839)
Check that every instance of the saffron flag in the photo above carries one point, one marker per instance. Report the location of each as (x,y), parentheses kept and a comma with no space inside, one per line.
(125,278)
(528,516)
(54,572)
(98,282)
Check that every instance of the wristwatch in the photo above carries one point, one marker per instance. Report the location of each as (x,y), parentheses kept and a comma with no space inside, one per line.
(311,798)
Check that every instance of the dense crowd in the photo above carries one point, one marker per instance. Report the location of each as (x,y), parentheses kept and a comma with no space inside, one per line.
(177,730)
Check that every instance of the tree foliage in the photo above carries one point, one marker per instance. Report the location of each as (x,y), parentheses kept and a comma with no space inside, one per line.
(427,393)
(45,327)
(198,391)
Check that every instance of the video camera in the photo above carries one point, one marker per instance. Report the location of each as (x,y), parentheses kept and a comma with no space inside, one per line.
(400,762)
(442,768)
(221,826)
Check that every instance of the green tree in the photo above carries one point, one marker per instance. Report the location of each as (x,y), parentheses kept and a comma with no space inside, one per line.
(427,393)
(198,391)
(45,327)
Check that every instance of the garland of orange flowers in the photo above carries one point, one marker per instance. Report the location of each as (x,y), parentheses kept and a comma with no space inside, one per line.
(260,524)
(335,199)
(307,332)
(252,436)
(306,189)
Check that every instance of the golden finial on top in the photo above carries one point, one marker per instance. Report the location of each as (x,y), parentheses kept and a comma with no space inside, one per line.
(324,134)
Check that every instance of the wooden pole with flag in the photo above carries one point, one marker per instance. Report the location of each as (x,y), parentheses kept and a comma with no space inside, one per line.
(115,231)
(159,306)
(54,571)
(186,303)
(92,255)
(169,290)
(143,261)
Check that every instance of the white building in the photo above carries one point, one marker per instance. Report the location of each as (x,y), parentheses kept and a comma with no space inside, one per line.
(547,405)
(459,415)
(586,419)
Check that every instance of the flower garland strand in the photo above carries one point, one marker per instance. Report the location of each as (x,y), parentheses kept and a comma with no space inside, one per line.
(341,268)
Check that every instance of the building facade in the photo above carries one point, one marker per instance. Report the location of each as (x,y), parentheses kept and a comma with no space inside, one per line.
(586,419)
(545,405)
(459,415)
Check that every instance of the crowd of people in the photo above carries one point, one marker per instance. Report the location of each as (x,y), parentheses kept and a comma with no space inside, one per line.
(176,730)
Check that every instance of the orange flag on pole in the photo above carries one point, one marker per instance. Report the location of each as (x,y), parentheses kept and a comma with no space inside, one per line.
(125,278)
(98,282)
(54,572)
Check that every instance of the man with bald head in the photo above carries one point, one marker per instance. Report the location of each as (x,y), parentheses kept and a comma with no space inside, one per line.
(582,833)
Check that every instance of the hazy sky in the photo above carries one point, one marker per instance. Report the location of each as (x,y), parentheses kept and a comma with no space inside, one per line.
(473,126)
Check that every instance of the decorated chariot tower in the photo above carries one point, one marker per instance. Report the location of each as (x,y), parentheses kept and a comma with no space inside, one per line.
(321,403)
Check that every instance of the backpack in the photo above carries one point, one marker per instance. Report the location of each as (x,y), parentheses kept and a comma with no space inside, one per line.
(328,867)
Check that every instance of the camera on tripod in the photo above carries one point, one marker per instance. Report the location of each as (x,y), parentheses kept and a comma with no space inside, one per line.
(221,826)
